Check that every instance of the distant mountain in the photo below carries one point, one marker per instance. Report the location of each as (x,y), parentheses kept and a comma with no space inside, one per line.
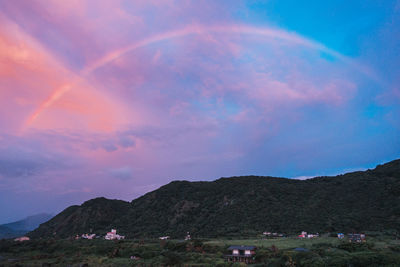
(24,226)
(6,232)
(240,206)
(29,223)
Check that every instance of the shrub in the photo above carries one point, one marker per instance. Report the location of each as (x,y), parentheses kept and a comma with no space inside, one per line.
(172,258)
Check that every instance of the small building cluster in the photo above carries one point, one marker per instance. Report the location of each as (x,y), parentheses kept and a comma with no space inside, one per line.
(22,238)
(113,235)
(357,238)
(306,235)
(269,234)
(87,236)
(109,236)
(353,238)
(244,254)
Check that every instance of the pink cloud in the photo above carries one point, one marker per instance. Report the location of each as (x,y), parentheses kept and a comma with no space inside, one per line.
(33,73)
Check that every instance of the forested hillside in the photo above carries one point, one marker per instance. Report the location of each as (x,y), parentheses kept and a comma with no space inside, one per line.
(240,206)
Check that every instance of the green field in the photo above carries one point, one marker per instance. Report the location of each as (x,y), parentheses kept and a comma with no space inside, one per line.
(324,251)
(281,243)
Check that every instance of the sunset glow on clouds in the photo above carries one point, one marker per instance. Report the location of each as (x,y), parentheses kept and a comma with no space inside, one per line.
(116,98)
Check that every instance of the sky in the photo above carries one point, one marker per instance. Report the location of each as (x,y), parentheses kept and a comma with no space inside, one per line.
(116,98)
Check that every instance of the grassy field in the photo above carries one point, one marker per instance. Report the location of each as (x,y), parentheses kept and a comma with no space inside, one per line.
(281,243)
(323,251)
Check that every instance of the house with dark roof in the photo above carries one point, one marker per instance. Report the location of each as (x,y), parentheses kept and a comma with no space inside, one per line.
(241,254)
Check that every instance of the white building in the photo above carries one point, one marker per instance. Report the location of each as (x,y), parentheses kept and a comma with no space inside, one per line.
(188,237)
(87,236)
(313,235)
(22,238)
(303,234)
(113,235)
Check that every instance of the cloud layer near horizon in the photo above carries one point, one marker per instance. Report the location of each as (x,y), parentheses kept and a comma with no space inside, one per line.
(116,98)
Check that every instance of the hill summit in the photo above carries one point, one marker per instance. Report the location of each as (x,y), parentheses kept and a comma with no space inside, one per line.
(239,206)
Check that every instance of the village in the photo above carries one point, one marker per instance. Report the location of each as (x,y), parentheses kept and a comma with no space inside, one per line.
(116,248)
(112,235)
(244,253)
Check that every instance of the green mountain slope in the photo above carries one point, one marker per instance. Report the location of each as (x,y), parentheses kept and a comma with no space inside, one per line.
(237,206)
(96,215)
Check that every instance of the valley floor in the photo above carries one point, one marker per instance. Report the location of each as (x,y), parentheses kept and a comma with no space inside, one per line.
(379,250)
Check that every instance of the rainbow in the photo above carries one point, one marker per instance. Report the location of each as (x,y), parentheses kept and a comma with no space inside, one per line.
(198,29)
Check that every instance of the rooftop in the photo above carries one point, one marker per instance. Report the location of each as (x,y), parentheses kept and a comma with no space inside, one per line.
(242,247)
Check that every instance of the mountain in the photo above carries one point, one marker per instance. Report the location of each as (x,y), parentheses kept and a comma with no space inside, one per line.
(6,232)
(22,227)
(96,215)
(239,206)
